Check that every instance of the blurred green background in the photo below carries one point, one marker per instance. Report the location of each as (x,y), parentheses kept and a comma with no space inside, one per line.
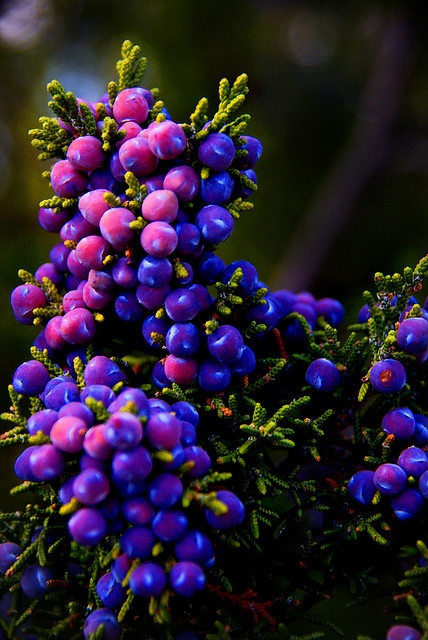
(338,96)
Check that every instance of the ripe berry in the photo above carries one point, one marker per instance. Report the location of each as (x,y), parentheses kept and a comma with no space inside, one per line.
(323,375)
(361,487)
(399,422)
(412,335)
(233,516)
(186,578)
(388,376)
(147,580)
(390,479)
(106,617)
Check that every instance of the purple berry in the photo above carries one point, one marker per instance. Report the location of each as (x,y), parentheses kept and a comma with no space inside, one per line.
(186,578)
(131,105)
(161,204)
(30,378)
(159,239)
(166,139)
(169,525)
(234,514)
(399,422)
(323,375)
(85,153)
(78,326)
(107,618)
(403,632)
(147,580)
(9,552)
(35,580)
(412,335)
(215,223)
(217,151)
(137,542)
(407,504)
(361,487)
(67,181)
(389,479)
(91,486)
(87,526)
(24,299)
(388,376)
(183,181)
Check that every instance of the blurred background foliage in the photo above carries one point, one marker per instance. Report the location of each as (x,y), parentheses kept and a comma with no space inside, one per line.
(338,96)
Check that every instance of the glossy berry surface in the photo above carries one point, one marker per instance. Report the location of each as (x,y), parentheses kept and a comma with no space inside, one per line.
(323,375)
(388,376)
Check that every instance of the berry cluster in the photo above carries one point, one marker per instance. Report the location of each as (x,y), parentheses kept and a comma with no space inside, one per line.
(193,438)
(141,203)
(128,472)
(404,479)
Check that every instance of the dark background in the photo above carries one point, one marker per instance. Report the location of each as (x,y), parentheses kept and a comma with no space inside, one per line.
(338,96)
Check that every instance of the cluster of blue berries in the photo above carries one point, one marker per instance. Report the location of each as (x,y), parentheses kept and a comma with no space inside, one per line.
(175,408)
(124,465)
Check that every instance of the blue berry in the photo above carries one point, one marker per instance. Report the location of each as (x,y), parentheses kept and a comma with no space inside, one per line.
(388,376)
(323,375)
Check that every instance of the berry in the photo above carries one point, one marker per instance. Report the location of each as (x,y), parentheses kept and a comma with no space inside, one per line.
(91,486)
(196,547)
(166,139)
(159,239)
(214,375)
(234,514)
(123,430)
(169,525)
(9,552)
(414,461)
(407,504)
(24,299)
(78,326)
(131,105)
(225,343)
(161,204)
(399,422)
(35,580)
(388,376)
(183,181)
(217,189)
(182,339)
(323,375)
(217,151)
(186,578)
(361,487)
(67,181)
(165,490)
(147,580)
(30,378)
(67,433)
(87,526)
(403,632)
(105,617)
(85,153)
(110,591)
(215,223)
(137,542)
(412,335)
(389,479)
(114,227)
